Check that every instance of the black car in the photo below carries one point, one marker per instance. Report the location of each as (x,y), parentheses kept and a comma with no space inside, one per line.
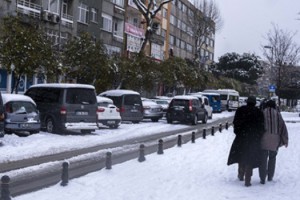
(186,109)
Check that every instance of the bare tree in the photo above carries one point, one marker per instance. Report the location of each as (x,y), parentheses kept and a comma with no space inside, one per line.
(281,51)
(206,20)
(149,12)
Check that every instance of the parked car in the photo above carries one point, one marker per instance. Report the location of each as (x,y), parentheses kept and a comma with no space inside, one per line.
(108,113)
(1,117)
(66,106)
(186,108)
(129,102)
(21,114)
(163,103)
(205,102)
(152,110)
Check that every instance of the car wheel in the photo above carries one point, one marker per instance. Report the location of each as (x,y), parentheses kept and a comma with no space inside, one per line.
(86,131)
(211,116)
(205,119)
(113,126)
(195,120)
(169,121)
(154,119)
(50,125)
(135,122)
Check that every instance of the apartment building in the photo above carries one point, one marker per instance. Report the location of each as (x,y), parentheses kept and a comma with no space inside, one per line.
(118,23)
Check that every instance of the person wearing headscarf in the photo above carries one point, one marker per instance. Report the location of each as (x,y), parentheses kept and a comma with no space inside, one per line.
(245,150)
(275,136)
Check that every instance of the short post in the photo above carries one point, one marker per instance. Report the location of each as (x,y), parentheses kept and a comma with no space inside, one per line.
(204,133)
(142,153)
(226,126)
(179,141)
(160,147)
(212,131)
(65,174)
(220,128)
(193,137)
(5,193)
(108,162)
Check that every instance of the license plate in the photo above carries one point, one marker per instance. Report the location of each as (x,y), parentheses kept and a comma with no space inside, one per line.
(82,113)
(24,125)
(134,110)
(111,122)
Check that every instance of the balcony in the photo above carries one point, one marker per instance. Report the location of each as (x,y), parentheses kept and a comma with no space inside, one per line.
(28,8)
(67,20)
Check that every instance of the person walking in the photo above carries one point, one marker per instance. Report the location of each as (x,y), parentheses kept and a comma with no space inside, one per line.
(275,136)
(245,150)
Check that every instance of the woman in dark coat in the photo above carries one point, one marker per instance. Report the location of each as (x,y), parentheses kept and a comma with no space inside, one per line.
(245,150)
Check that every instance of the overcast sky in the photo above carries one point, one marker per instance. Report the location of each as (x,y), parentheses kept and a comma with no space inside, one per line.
(246,23)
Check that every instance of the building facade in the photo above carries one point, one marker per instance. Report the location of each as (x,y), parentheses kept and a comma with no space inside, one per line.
(117,23)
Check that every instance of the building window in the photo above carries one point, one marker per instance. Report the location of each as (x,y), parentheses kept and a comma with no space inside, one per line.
(106,22)
(182,45)
(171,39)
(178,42)
(179,23)
(189,47)
(118,2)
(94,15)
(173,20)
(53,6)
(83,13)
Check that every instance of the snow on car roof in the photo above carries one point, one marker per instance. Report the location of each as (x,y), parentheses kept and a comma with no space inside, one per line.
(210,93)
(184,97)
(104,99)
(63,85)
(16,97)
(118,92)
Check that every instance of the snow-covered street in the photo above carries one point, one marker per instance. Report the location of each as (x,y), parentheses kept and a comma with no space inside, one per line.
(193,171)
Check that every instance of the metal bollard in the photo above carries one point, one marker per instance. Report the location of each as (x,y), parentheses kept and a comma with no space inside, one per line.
(212,131)
(160,147)
(5,193)
(204,134)
(220,128)
(65,174)
(226,126)
(193,137)
(142,153)
(108,162)
(179,141)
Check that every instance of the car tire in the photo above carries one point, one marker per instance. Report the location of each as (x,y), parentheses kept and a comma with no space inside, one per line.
(113,126)
(154,119)
(85,131)
(169,121)
(210,116)
(204,121)
(195,120)
(50,126)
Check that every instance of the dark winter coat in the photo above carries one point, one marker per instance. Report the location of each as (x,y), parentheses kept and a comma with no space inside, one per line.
(248,127)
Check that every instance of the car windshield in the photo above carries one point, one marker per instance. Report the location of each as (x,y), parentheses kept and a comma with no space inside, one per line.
(20,107)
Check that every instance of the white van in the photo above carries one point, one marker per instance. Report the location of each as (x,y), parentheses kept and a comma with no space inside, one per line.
(205,102)
(229,98)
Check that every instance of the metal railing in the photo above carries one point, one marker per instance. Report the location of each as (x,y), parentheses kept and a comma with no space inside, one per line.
(28,8)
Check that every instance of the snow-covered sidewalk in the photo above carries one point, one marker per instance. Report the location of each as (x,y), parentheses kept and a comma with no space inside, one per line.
(193,171)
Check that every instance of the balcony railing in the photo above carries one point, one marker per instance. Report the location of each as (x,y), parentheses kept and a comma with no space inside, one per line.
(28,8)
(67,20)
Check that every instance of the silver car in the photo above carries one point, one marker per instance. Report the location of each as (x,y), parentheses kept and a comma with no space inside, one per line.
(152,110)
(21,114)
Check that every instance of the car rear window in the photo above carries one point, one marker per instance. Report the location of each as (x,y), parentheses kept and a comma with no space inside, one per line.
(20,107)
(132,99)
(180,102)
(80,96)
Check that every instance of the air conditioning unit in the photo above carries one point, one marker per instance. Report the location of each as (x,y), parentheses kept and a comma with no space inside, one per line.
(55,18)
(47,16)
